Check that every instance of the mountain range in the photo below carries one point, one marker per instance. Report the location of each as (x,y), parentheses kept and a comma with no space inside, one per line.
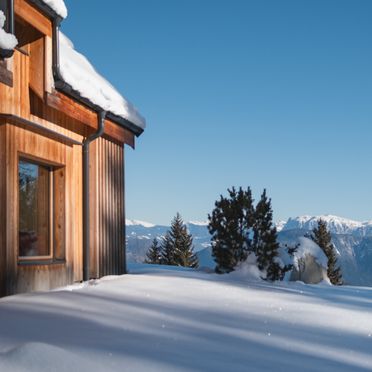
(352,240)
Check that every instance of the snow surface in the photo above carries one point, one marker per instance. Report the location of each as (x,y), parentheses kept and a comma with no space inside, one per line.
(78,72)
(308,247)
(7,41)
(280,225)
(171,319)
(58,6)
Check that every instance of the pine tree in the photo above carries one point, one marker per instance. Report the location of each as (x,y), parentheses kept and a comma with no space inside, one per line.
(153,256)
(182,244)
(322,237)
(167,249)
(230,225)
(265,244)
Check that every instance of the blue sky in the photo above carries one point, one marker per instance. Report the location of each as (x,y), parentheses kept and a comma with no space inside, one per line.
(271,94)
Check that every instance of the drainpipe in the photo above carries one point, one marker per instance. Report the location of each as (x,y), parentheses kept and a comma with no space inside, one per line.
(58,79)
(60,84)
(86,193)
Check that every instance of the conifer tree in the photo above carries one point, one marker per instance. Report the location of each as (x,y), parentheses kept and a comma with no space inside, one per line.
(265,244)
(230,225)
(153,255)
(182,244)
(322,237)
(168,254)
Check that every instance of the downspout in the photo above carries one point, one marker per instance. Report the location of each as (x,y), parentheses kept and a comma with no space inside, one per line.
(61,85)
(86,193)
(58,79)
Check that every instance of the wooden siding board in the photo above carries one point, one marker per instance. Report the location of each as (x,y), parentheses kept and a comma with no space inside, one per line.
(6,76)
(108,217)
(33,16)
(23,277)
(37,71)
(81,113)
(3,199)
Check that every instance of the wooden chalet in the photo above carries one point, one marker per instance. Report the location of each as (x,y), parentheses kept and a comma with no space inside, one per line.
(62,201)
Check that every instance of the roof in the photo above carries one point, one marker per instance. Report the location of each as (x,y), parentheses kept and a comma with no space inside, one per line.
(58,6)
(78,72)
(80,75)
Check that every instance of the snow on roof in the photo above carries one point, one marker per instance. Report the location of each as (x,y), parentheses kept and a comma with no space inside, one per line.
(58,6)
(7,41)
(78,72)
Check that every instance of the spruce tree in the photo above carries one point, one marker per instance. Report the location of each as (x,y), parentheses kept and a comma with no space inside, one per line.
(182,244)
(265,244)
(153,255)
(322,237)
(230,225)
(167,249)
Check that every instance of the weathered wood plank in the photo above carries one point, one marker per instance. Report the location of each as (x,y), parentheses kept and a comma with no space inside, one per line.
(33,16)
(6,76)
(37,71)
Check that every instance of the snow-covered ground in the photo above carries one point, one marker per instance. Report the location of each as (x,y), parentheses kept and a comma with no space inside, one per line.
(166,319)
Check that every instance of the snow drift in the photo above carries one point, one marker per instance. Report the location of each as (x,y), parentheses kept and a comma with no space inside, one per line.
(171,319)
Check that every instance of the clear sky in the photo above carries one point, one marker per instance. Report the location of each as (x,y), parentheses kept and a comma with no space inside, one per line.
(274,94)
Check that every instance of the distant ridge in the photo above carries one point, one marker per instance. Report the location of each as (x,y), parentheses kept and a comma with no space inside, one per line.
(138,223)
(352,239)
(337,225)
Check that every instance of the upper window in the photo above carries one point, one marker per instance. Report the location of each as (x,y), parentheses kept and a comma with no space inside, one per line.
(41,211)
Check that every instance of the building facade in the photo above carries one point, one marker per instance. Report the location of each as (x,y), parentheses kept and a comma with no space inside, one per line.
(62,206)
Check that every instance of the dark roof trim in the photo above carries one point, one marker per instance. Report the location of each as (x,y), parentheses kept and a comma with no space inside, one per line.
(66,88)
(45,8)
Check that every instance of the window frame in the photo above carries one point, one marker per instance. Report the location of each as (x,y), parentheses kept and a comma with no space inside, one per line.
(52,168)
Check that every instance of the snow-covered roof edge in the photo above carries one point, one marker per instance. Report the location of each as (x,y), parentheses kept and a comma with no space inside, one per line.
(58,6)
(77,71)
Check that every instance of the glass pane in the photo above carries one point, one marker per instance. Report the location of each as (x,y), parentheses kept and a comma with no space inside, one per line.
(33,210)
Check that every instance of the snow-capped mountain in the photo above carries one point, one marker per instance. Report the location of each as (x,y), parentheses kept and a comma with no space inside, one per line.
(352,239)
(139,235)
(336,225)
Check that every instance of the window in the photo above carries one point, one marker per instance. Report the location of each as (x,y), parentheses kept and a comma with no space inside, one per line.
(41,211)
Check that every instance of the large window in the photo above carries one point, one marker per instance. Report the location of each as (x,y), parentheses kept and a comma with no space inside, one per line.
(41,211)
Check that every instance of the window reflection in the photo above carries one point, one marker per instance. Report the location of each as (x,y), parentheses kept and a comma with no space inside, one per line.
(34,209)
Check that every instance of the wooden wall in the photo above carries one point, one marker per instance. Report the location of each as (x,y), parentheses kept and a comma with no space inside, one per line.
(3,198)
(22,276)
(33,98)
(107,209)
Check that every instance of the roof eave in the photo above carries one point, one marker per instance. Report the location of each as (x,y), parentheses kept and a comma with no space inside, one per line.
(66,88)
(46,9)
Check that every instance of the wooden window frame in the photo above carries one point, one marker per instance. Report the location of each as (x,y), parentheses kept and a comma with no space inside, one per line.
(52,170)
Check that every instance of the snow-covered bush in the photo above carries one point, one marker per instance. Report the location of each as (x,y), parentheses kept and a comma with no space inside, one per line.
(309,262)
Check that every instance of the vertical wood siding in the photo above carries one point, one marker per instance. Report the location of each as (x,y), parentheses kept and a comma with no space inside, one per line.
(107,209)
